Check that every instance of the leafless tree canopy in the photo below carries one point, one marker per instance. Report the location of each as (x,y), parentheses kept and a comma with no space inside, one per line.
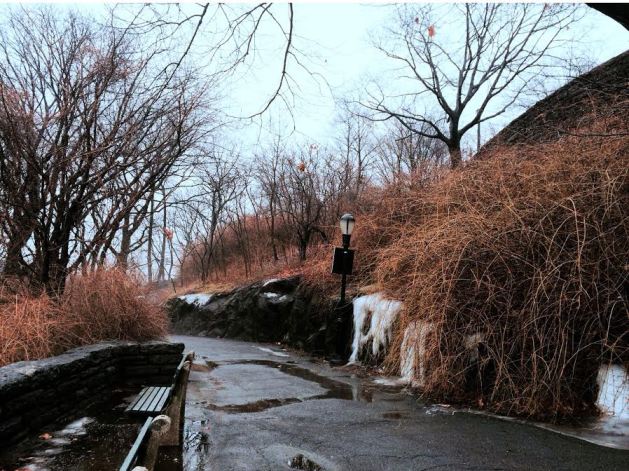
(88,128)
(228,36)
(457,80)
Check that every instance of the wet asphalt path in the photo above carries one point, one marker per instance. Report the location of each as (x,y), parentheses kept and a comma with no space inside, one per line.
(257,407)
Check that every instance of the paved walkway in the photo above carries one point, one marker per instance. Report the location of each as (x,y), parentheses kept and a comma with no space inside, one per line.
(256,407)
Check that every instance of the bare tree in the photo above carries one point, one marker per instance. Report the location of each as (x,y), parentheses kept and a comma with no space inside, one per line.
(357,145)
(404,154)
(89,127)
(203,213)
(311,186)
(471,68)
(267,174)
(228,34)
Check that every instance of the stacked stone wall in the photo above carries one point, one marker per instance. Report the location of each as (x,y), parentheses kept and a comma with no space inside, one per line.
(36,394)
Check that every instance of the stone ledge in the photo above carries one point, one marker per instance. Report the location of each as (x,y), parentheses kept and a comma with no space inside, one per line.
(39,392)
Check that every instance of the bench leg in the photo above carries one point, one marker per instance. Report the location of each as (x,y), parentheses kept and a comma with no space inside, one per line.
(159,428)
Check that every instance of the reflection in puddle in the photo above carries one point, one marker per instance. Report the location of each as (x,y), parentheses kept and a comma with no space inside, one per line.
(334,389)
(354,391)
(257,406)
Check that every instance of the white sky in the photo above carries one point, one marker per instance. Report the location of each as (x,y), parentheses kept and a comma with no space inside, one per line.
(340,34)
(335,38)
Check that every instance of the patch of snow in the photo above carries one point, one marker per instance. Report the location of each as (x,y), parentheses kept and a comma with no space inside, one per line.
(390,381)
(76,428)
(34,467)
(383,312)
(271,295)
(613,392)
(273,352)
(61,441)
(28,370)
(268,282)
(413,352)
(200,299)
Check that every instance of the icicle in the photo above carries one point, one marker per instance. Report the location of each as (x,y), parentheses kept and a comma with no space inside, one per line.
(613,392)
(384,312)
(413,352)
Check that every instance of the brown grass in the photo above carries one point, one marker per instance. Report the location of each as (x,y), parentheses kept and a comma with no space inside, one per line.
(28,327)
(104,305)
(528,248)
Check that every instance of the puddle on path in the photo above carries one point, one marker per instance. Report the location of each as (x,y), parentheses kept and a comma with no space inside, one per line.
(356,391)
(601,432)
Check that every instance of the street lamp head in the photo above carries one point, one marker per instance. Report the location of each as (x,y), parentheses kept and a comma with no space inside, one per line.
(347,224)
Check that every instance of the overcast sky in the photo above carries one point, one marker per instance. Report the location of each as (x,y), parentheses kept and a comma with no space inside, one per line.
(339,38)
(336,40)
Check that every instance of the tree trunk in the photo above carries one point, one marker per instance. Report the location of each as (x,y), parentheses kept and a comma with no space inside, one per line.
(56,278)
(303,245)
(455,155)
(122,259)
(149,255)
(161,270)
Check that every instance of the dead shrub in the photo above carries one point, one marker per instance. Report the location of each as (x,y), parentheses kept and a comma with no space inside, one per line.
(28,326)
(106,304)
(529,249)
(110,304)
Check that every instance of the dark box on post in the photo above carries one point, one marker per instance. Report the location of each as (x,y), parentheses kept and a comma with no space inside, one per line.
(343,261)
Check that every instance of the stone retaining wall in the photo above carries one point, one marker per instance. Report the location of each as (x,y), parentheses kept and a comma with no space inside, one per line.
(34,394)
(278,310)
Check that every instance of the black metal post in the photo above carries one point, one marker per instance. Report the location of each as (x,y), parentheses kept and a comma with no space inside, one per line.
(343,284)
(346,239)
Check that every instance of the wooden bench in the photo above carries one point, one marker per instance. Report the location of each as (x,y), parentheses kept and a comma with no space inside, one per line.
(163,430)
(150,401)
(153,399)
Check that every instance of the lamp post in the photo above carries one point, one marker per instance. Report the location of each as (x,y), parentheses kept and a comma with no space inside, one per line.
(342,265)
(347,227)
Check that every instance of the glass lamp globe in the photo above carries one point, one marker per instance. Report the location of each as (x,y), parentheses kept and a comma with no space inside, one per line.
(347,224)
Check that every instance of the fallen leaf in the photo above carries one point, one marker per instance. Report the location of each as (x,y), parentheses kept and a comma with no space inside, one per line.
(45,436)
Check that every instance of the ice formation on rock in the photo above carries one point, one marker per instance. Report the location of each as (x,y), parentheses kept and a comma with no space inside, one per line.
(200,299)
(413,352)
(383,313)
(613,391)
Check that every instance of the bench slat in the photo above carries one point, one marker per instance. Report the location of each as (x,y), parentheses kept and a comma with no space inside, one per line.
(143,397)
(146,405)
(156,400)
(162,402)
(131,456)
(138,398)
